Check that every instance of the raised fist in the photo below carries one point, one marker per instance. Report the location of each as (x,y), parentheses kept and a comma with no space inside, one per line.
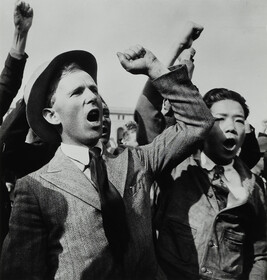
(23,15)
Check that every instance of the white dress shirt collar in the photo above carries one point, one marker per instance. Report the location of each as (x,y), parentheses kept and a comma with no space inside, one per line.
(79,153)
(238,195)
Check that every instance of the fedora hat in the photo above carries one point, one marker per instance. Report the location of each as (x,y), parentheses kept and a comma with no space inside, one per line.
(37,89)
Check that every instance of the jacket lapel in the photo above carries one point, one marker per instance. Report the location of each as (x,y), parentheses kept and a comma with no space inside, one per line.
(65,175)
(117,169)
(247,177)
(201,180)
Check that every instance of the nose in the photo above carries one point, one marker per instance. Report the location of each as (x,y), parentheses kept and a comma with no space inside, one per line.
(89,97)
(230,126)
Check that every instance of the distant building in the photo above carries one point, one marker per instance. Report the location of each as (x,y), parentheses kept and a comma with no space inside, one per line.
(119,117)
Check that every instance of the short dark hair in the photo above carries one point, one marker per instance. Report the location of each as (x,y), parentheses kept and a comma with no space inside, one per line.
(218,94)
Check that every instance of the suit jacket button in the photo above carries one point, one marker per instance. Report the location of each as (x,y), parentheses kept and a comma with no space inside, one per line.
(203,269)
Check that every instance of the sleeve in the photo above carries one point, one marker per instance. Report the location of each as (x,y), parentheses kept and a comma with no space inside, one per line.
(148,114)
(193,121)
(10,82)
(15,127)
(250,151)
(259,268)
(151,122)
(24,249)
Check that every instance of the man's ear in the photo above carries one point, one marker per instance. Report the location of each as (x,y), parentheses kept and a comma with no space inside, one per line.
(51,116)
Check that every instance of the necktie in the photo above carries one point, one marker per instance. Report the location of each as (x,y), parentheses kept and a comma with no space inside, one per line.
(112,207)
(219,187)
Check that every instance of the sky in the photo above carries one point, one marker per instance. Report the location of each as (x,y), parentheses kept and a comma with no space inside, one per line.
(231,51)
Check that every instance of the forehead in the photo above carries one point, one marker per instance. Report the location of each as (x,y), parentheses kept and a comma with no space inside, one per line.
(75,79)
(227,107)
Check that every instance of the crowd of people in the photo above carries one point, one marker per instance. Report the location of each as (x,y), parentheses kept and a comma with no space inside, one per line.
(182,197)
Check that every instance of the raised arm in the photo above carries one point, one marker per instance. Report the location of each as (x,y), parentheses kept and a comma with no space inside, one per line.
(192,116)
(10,82)
(148,114)
(15,126)
(189,33)
(11,76)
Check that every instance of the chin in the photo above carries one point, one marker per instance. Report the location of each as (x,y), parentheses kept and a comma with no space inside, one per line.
(231,154)
(92,139)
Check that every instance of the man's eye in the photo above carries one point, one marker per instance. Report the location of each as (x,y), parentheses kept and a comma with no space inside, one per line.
(219,119)
(240,121)
(77,91)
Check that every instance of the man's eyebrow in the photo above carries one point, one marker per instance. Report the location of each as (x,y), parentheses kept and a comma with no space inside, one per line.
(93,88)
(239,116)
(225,115)
(77,89)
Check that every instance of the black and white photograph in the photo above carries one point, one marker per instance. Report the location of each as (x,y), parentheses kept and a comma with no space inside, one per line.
(133,140)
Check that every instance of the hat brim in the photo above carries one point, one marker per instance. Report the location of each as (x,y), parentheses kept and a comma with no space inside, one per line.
(40,89)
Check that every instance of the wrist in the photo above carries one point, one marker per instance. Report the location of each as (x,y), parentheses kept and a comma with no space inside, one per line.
(19,44)
(16,54)
(20,34)
(156,69)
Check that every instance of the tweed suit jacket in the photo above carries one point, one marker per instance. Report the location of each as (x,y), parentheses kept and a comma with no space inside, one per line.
(56,229)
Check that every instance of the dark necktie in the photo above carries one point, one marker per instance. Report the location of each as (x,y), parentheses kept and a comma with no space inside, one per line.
(220,189)
(112,207)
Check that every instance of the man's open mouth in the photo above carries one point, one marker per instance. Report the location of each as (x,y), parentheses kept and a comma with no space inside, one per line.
(93,115)
(229,144)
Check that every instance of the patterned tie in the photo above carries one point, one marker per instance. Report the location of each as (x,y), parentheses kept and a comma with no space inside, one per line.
(219,187)
(112,207)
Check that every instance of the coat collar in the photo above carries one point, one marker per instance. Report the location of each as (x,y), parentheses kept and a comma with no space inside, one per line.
(246,176)
(65,175)
(117,169)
